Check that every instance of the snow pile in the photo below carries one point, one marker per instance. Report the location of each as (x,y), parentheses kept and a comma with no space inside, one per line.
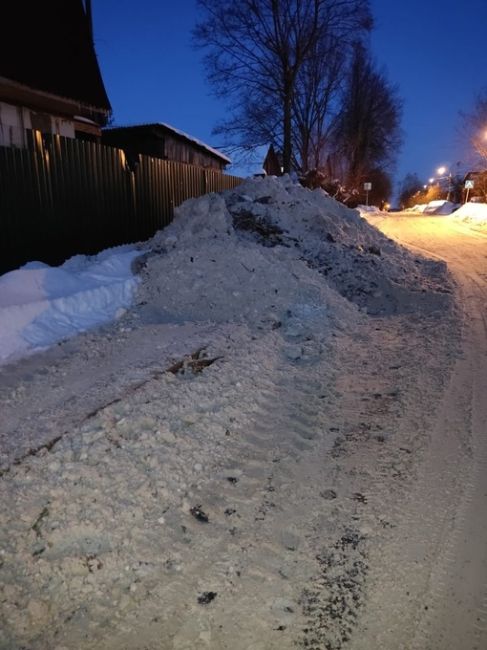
(40,305)
(271,252)
(268,254)
(368,209)
(419,207)
(439,207)
(472,213)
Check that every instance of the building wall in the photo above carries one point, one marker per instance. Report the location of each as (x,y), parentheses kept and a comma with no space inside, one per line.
(180,151)
(14,120)
(160,145)
(13,123)
(134,143)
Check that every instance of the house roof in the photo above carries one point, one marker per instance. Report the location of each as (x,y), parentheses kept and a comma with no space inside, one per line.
(162,127)
(472,174)
(47,45)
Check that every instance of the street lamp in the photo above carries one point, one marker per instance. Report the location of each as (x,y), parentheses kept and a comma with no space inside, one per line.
(442,174)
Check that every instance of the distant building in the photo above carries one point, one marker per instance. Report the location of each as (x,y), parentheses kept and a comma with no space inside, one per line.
(49,75)
(479,189)
(161,140)
(272,163)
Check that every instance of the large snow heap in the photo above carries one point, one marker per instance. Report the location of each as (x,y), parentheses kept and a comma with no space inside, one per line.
(272,252)
(473,214)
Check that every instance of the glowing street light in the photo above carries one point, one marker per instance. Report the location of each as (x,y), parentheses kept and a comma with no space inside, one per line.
(431,181)
(444,173)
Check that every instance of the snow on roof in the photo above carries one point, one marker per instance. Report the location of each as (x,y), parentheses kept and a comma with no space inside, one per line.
(178,132)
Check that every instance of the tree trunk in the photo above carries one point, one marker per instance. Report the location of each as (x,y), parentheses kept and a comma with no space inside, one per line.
(287,126)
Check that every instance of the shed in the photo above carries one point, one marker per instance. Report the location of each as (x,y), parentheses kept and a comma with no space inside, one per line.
(161,140)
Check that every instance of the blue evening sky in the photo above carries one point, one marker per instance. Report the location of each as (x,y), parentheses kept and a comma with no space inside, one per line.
(435,51)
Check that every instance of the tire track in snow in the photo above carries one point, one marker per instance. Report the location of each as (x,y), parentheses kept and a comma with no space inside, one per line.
(141,464)
(460,576)
(442,527)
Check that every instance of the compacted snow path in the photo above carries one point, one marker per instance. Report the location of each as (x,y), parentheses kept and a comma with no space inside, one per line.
(269,450)
(431,574)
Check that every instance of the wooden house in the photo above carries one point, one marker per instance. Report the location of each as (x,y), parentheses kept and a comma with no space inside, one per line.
(272,163)
(160,140)
(49,74)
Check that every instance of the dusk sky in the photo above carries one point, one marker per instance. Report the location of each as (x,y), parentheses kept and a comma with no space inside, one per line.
(435,51)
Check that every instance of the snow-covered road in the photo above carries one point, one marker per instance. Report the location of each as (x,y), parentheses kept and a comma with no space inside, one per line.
(431,587)
(279,454)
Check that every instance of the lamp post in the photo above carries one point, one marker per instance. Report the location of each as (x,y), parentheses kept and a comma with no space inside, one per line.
(442,174)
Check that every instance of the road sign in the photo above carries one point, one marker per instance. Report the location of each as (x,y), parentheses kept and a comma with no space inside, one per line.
(367,187)
(469,185)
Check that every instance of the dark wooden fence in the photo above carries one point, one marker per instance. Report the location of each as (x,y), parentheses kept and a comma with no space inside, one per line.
(60,196)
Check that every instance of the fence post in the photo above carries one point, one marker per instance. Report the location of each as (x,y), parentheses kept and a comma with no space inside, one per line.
(133,193)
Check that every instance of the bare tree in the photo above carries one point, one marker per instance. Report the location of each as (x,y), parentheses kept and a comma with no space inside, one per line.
(475,125)
(255,52)
(368,134)
(315,103)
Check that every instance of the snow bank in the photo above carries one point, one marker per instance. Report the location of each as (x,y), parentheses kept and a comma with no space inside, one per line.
(272,253)
(472,213)
(40,305)
(419,207)
(439,207)
(434,207)
(268,254)
(368,209)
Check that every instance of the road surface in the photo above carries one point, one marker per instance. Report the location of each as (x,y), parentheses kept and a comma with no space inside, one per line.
(430,590)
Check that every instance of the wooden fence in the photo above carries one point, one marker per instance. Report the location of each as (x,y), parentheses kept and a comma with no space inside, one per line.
(60,196)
